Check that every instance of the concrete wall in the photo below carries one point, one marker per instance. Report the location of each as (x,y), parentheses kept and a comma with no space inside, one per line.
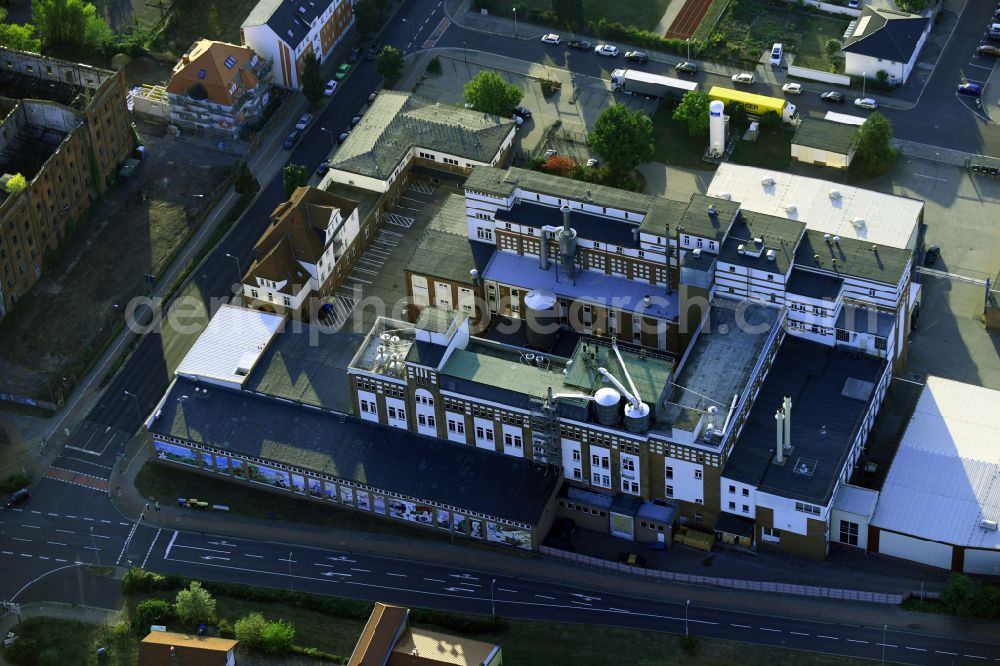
(816,75)
(910,548)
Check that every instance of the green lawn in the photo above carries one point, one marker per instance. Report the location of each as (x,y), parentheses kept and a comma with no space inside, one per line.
(771,150)
(643,14)
(196,19)
(673,143)
(67,642)
(749,27)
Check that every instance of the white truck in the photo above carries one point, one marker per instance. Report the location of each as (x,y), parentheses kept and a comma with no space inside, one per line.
(637,82)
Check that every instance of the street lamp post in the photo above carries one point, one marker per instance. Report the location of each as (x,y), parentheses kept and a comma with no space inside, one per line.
(515,21)
(687,604)
(93,542)
(864,79)
(413,27)
(291,581)
(328,131)
(493,603)
(688,40)
(885,627)
(465,53)
(138,411)
(239,273)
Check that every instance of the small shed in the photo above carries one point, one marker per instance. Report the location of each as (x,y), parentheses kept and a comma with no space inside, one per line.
(824,143)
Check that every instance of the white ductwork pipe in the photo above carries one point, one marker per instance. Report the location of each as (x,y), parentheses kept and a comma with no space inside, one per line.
(633,399)
(779,450)
(621,362)
(786,407)
(543,254)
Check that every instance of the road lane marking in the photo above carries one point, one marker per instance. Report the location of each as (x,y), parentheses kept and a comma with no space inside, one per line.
(66,531)
(54,515)
(770,629)
(34,527)
(504,589)
(797,633)
(950,654)
(42,557)
(157,536)
(617,610)
(89,520)
(90,548)
(100,536)
(886,645)
(106,522)
(55,543)
(832,638)
(973,656)
(19,539)
(916,648)
(741,626)
(361,570)
(25,555)
(123,523)
(855,640)
(7,552)
(321,564)
(60,560)
(259,557)
(207,550)
(582,603)
(170,545)
(69,516)
(542,596)
(389,573)
(280,559)
(434,580)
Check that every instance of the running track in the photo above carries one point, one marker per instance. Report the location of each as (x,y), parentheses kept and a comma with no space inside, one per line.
(688,19)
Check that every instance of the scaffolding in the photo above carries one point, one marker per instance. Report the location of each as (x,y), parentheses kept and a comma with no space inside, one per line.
(545,438)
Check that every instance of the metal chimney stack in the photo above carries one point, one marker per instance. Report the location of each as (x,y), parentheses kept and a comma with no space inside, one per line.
(779,450)
(786,407)
(567,246)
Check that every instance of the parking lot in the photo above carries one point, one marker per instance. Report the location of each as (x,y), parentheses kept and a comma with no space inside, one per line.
(375,286)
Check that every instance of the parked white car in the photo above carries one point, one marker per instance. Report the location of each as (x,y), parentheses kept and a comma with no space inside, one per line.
(551,38)
(304,122)
(866,103)
(743,77)
(606,50)
(792,88)
(331,86)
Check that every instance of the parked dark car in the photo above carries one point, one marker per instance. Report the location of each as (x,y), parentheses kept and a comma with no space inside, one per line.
(17,497)
(970,89)
(931,255)
(291,140)
(374,49)
(521,111)
(833,97)
(988,50)
(355,55)
(636,56)
(343,137)
(686,68)
(323,167)
(580,45)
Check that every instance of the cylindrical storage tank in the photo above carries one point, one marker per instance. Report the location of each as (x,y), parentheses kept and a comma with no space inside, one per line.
(606,403)
(716,127)
(567,246)
(542,318)
(637,418)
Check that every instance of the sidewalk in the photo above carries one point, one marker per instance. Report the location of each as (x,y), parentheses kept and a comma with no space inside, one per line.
(128,500)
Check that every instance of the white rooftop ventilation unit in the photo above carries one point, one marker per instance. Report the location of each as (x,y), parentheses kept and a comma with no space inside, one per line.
(767,181)
(726,195)
(835,194)
(771,254)
(988,524)
(858,222)
(790,209)
(696,252)
(741,249)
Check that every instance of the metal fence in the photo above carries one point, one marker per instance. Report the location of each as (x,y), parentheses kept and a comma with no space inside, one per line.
(728,583)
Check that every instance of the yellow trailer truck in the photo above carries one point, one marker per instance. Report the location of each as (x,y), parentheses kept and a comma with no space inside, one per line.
(753,104)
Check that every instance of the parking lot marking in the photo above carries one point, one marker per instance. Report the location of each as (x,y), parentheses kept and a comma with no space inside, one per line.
(401,220)
(365,270)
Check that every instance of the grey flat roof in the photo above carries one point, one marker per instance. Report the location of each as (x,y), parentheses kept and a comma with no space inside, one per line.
(449,257)
(865,320)
(854,258)
(589,286)
(587,225)
(720,361)
(825,421)
(814,285)
(390,459)
(825,135)
(308,365)
(778,233)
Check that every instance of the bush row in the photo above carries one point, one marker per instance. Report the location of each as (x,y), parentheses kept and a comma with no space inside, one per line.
(14,482)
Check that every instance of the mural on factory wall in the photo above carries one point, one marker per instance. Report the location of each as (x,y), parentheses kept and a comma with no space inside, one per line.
(268,475)
(330,491)
(222,464)
(363,502)
(207,461)
(476,529)
(347,495)
(298,483)
(509,535)
(458,523)
(236,467)
(411,512)
(315,488)
(175,453)
(443,520)
(380,504)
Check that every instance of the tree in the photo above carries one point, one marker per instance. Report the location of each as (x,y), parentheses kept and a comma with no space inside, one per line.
(72,22)
(882,77)
(312,79)
(693,112)
(832,47)
(243,180)
(367,16)
(151,611)
(959,594)
(18,37)
(624,138)
(294,176)
(569,12)
(16,183)
(389,64)
(250,630)
(559,165)
(278,637)
(874,152)
(195,605)
(490,93)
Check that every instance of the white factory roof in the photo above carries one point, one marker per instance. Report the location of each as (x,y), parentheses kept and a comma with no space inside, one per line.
(833,208)
(230,345)
(945,478)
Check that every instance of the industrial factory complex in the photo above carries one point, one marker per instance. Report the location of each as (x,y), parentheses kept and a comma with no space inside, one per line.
(640,365)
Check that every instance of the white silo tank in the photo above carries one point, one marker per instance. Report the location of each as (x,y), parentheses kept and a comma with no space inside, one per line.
(606,401)
(542,318)
(716,127)
(637,418)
